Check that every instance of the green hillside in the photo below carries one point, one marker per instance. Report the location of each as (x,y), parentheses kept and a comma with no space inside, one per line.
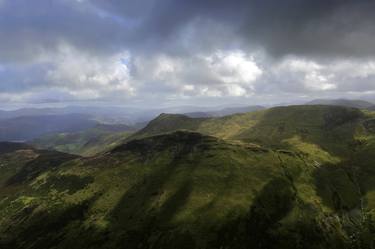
(85,143)
(287,177)
(357,103)
(329,132)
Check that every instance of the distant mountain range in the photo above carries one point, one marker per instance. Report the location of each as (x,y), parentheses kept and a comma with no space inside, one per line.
(29,127)
(361,104)
(111,114)
(224,111)
(125,115)
(100,138)
(31,123)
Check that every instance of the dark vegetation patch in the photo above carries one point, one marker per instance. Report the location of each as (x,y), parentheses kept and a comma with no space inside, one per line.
(69,183)
(272,204)
(265,226)
(370,125)
(257,228)
(46,228)
(144,225)
(137,202)
(182,142)
(287,152)
(337,186)
(343,186)
(336,116)
(8,147)
(45,161)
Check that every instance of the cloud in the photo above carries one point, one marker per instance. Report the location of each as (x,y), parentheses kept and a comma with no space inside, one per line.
(223,73)
(309,27)
(29,30)
(233,67)
(134,51)
(291,27)
(311,76)
(77,71)
(68,74)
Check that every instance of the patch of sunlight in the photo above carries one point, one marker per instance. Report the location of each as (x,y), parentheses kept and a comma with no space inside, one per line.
(312,150)
(370,198)
(98,220)
(39,181)
(25,200)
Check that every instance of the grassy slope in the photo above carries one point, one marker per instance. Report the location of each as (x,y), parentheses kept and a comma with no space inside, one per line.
(329,130)
(313,186)
(85,143)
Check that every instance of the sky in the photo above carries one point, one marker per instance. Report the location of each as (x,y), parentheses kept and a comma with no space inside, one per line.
(154,53)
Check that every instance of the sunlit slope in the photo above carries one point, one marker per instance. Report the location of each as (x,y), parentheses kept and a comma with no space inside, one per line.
(185,190)
(326,131)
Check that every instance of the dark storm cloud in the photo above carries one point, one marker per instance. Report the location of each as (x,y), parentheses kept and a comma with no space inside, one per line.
(322,27)
(308,27)
(30,29)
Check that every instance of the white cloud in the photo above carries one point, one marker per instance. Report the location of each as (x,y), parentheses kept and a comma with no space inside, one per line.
(87,76)
(308,76)
(236,90)
(72,74)
(317,81)
(354,69)
(233,67)
(223,73)
(296,74)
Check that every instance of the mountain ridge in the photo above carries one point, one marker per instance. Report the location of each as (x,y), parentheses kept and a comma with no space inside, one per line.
(356,103)
(287,177)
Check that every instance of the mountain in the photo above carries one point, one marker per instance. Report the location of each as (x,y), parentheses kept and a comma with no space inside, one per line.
(224,112)
(277,127)
(8,147)
(361,104)
(235,110)
(25,112)
(123,115)
(88,142)
(110,114)
(285,177)
(29,127)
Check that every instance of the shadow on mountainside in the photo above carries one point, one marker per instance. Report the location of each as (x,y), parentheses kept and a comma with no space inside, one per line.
(38,228)
(45,161)
(344,188)
(146,210)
